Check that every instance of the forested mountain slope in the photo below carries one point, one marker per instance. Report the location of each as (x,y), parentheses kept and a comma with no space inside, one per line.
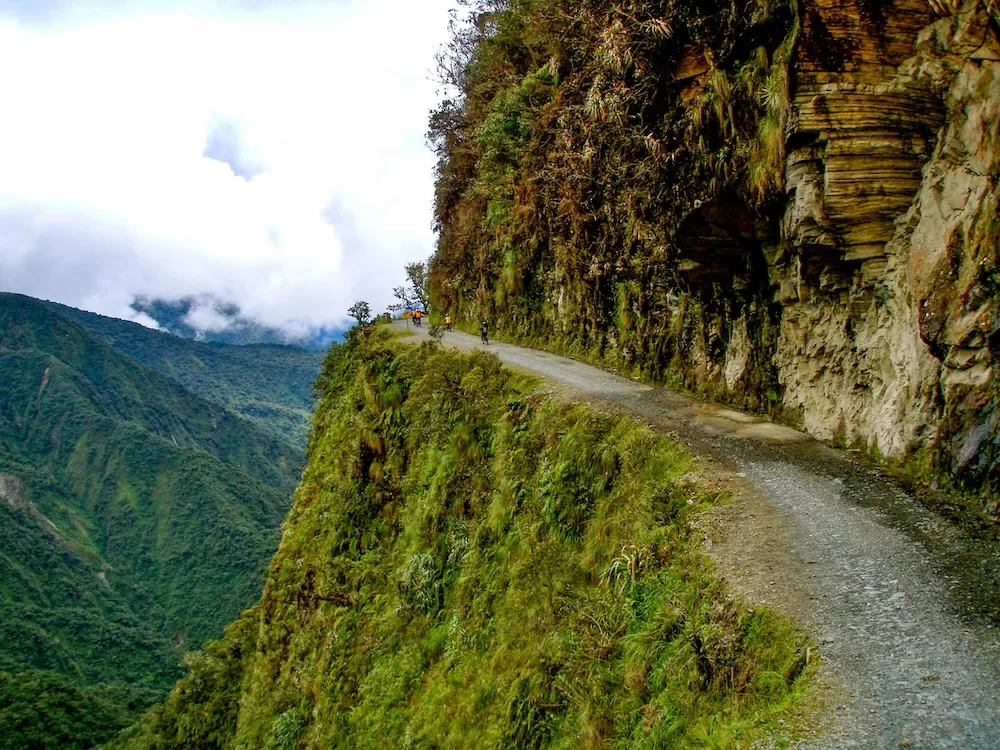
(268,384)
(788,206)
(137,517)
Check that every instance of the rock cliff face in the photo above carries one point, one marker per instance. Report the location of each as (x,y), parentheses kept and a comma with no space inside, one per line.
(792,208)
(887,283)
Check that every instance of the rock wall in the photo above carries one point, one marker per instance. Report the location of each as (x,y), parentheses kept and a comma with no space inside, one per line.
(788,207)
(890,317)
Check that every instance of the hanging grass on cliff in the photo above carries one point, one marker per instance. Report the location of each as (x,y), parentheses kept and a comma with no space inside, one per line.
(609,181)
(470,564)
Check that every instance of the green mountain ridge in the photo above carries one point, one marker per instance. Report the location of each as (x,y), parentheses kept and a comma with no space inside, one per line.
(275,381)
(790,208)
(136,520)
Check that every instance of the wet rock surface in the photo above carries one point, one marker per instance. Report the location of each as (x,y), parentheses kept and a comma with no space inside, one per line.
(903,605)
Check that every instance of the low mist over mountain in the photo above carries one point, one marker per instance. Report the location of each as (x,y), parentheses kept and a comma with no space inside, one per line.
(207,318)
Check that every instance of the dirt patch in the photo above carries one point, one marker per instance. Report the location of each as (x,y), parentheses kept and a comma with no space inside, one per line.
(10,490)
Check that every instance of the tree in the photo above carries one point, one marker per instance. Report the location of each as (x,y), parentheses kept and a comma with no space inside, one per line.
(361,312)
(416,274)
(414,291)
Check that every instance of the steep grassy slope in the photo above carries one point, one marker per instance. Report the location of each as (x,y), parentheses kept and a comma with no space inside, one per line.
(468,564)
(269,385)
(136,516)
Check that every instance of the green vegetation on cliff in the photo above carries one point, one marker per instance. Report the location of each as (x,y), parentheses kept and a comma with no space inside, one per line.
(135,517)
(607,181)
(469,563)
(743,200)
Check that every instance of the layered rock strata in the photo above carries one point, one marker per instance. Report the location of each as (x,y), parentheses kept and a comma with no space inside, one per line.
(888,332)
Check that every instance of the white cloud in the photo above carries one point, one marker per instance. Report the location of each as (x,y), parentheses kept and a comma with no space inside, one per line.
(143,319)
(105,192)
(206,318)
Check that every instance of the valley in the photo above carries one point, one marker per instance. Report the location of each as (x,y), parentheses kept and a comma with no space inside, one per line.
(138,518)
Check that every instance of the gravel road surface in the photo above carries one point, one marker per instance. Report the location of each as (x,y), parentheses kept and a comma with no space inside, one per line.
(904,606)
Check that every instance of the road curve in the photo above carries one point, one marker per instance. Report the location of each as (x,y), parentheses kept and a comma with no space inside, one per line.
(903,605)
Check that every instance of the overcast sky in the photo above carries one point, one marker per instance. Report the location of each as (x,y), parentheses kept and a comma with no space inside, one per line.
(267,153)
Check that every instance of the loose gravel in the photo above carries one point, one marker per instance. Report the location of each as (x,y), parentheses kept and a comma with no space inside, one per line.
(903,605)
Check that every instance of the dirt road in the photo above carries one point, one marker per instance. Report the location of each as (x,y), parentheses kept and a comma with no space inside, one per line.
(903,605)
